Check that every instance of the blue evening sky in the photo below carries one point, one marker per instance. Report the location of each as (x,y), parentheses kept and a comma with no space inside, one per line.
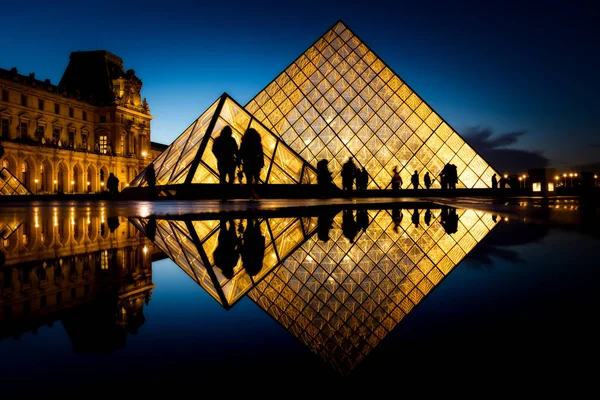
(501,67)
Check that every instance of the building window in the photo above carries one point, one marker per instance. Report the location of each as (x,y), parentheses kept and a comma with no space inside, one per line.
(56,134)
(84,115)
(103,142)
(41,104)
(23,129)
(102,118)
(56,108)
(71,112)
(4,95)
(122,144)
(84,140)
(24,100)
(71,137)
(39,134)
(4,127)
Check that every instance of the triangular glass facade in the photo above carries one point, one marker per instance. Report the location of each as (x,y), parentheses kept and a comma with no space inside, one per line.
(195,244)
(10,185)
(339,292)
(189,158)
(339,99)
(342,298)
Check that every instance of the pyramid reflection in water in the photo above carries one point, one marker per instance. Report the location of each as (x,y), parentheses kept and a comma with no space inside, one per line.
(340,281)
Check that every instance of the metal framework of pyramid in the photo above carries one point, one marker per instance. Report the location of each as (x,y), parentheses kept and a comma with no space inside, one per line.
(10,185)
(341,299)
(192,243)
(339,99)
(189,158)
(338,297)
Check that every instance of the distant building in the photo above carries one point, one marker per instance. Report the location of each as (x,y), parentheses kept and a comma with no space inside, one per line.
(69,137)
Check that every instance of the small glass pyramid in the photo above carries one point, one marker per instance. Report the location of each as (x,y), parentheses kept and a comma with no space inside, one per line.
(10,185)
(189,159)
(339,99)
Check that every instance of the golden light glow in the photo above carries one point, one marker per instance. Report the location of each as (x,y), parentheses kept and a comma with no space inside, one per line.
(537,187)
(335,101)
(349,293)
(144,154)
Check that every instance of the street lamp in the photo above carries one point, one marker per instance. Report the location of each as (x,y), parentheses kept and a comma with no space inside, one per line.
(144,154)
(524,181)
(36,185)
(565,176)
(72,187)
(520,179)
(595,179)
(55,186)
(571,176)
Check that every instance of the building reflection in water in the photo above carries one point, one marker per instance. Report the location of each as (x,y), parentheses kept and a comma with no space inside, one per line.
(91,272)
(339,280)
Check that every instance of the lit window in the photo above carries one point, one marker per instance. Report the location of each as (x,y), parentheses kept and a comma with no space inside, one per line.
(103,142)
(551,186)
(537,187)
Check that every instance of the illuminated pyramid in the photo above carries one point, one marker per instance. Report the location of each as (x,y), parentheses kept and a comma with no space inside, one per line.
(340,99)
(10,185)
(192,244)
(341,298)
(189,158)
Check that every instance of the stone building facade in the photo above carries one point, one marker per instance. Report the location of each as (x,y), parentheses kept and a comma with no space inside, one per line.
(69,137)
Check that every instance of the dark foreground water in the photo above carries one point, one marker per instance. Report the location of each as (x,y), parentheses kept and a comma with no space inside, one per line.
(140,297)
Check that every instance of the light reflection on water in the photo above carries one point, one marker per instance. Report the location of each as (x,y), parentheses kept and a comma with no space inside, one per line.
(361,288)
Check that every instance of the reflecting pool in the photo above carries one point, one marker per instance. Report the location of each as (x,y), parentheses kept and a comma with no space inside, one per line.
(114,294)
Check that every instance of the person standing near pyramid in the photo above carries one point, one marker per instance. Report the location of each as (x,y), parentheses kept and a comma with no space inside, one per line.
(225,149)
(348,174)
(251,156)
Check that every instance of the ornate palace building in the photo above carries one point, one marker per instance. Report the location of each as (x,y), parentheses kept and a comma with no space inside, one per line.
(69,137)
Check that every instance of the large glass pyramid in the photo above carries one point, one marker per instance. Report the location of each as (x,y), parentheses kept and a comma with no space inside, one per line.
(341,298)
(197,245)
(10,185)
(189,158)
(339,99)
(339,281)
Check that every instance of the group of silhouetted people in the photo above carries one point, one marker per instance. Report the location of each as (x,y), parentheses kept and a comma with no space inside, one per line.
(249,157)
(235,242)
(351,175)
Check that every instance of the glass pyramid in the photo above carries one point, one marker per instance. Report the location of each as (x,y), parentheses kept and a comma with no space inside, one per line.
(189,159)
(341,292)
(10,185)
(339,99)
(341,298)
(194,245)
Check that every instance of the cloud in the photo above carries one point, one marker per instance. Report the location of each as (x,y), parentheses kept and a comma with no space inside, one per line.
(491,147)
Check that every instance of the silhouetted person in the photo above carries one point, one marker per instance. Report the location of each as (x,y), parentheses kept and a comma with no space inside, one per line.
(396,218)
(449,220)
(427,180)
(226,254)
(348,174)
(362,220)
(396,180)
(251,156)
(324,225)
(349,227)
(151,177)
(113,223)
(427,217)
(225,149)
(415,217)
(452,176)
(362,179)
(112,184)
(494,182)
(323,174)
(253,247)
(414,180)
(502,183)
(494,218)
